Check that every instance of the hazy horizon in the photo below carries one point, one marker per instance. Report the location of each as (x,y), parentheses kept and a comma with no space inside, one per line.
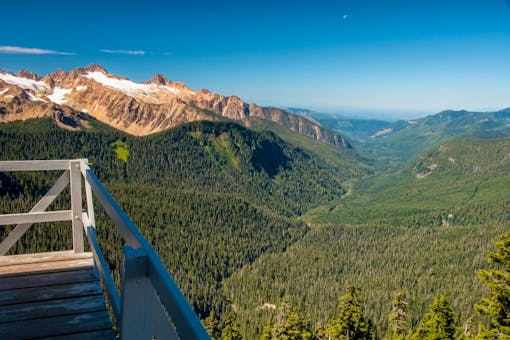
(384,114)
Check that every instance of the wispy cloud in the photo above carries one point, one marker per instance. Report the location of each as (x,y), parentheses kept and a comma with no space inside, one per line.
(29,50)
(345,16)
(130,52)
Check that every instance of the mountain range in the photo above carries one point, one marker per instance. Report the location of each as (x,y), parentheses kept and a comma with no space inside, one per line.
(70,98)
(398,142)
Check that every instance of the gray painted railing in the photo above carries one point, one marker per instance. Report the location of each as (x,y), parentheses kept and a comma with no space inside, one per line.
(150,305)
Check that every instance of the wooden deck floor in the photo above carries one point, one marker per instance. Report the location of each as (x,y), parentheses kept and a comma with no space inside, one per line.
(52,295)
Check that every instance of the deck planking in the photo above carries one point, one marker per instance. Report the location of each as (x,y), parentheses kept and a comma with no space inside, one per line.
(52,295)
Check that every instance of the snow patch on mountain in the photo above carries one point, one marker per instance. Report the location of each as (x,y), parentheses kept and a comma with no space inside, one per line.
(127,86)
(34,97)
(171,89)
(123,85)
(59,95)
(24,83)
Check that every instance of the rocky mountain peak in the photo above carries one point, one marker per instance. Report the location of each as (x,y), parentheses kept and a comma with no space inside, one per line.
(204,92)
(95,68)
(27,74)
(160,79)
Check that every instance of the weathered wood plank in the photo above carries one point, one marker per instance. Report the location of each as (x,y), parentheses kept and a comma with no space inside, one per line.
(47,279)
(46,327)
(96,335)
(34,165)
(43,203)
(143,316)
(36,217)
(88,194)
(76,202)
(34,294)
(162,327)
(90,205)
(84,166)
(46,267)
(35,310)
(43,257)
(104,272)
(183,317)
(135,295)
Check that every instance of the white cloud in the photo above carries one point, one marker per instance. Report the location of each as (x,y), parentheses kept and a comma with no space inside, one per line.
(345,16)
(29,50)
(130,52)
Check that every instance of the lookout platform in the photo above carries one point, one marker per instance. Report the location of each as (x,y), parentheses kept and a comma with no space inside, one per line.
(61,294)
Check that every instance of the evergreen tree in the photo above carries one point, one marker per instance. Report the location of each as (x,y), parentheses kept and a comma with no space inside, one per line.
(211,325)
(350,323)
(438,323)
(497,280)
(231,331)
(397,320)
(290,326)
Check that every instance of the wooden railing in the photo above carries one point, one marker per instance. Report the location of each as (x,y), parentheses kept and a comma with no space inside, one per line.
(150,305)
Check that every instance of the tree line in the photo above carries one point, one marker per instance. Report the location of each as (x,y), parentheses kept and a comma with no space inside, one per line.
(352,323)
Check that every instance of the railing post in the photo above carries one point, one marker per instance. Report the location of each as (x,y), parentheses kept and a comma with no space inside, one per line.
(134,295)
(88,194)
(75,179)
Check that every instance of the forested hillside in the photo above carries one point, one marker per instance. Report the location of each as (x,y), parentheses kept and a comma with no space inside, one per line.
(211,197)
(424,231)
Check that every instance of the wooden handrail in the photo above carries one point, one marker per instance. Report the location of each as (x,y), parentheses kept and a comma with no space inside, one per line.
(36,165)
(36,217)
(104,272)
(144,277)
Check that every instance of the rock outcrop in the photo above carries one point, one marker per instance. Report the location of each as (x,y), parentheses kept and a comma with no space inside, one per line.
(136,108)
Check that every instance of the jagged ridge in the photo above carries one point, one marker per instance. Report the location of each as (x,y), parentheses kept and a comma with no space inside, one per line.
(136,108)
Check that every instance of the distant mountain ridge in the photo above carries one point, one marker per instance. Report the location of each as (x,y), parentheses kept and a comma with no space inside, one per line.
(136,108)
(400,141)
(407,139)
(355,128)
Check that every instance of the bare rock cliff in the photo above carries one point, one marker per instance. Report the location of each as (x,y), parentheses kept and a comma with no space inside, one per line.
(137,108)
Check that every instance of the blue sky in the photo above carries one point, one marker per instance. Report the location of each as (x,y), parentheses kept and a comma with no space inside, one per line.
(397,58)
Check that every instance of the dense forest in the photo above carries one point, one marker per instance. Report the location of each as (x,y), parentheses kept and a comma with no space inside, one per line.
(210,197)
(272,235)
